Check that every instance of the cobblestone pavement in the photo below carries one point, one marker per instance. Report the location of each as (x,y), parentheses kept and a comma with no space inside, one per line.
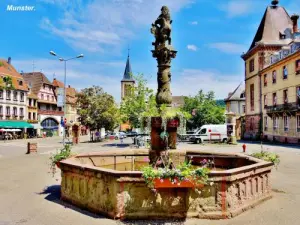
(29,194)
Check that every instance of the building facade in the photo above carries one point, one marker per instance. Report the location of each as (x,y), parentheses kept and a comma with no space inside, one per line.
(235,111)
(71,114)
(49,115)
(281,94)
(277,29)
(13,98)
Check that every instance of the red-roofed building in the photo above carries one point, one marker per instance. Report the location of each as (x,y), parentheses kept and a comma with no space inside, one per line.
(13,98)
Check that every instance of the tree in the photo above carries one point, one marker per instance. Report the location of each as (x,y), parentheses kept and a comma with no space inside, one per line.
(204,110)
(97,109)
(139,103)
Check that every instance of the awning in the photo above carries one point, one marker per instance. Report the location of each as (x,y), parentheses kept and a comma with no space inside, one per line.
(10,130)
(37,126)
(15,124)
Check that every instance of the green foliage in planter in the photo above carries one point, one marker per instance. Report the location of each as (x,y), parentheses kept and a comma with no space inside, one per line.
(60,155)
(267,156)
(8,84)
(182,172)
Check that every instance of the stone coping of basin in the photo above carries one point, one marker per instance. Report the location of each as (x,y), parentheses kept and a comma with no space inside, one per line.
(259,166)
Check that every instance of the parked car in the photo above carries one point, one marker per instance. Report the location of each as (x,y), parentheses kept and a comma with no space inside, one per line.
(210,133)
(132,134)
(113,136)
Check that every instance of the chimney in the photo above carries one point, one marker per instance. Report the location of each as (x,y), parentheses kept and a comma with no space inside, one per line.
(295,18)
(274,3)
(9,60)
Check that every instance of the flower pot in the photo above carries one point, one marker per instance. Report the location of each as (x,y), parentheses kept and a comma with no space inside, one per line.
(57,164)
(166,183)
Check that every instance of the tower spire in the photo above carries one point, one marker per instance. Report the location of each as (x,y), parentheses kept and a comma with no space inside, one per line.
(128,51)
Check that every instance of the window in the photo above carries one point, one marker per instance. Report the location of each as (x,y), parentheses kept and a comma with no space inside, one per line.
(265,101)
(285,72)
(21,112)
(15,96)
(244,109)
(298,66)
(274,77)
(33,116)
(1,110)
(52,98)
(242,95)
(30,102)
(251,65)
(8,95)
(266,123)
(298,123)
(29,115)
(274,99)
(8,111)
(15,111)
(20,83)
(1,94)
(265,80)
(22,97)
(252,97)
(285,96)
(42,96)
(203,131)
(298,95)
(48,107)
(286,123)
(251,124)
(275,123)
(47,97)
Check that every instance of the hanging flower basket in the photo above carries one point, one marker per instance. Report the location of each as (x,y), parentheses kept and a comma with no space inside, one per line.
(167,183)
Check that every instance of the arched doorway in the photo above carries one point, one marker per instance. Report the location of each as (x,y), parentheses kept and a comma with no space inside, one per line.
(50,127)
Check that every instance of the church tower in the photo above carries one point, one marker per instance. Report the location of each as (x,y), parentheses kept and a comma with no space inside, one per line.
(127,82)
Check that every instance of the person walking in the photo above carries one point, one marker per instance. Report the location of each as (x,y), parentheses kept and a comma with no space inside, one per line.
(121,138)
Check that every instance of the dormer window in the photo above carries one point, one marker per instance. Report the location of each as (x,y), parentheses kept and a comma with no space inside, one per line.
(20,83)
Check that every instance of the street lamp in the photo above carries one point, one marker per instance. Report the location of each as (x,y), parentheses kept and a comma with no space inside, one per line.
(65,80)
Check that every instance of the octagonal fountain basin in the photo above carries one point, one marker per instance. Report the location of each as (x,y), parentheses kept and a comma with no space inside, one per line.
(111,183)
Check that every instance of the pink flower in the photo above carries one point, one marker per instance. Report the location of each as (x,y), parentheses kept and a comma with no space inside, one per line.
(146,159)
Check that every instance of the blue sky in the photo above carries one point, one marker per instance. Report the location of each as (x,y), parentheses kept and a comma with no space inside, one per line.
(209,36)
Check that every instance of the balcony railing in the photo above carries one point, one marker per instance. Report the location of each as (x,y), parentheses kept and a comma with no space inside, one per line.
(51,112)
(32,107)
(283,107)
(32,121)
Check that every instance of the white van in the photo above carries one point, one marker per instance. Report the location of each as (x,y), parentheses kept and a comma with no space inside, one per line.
(210,133)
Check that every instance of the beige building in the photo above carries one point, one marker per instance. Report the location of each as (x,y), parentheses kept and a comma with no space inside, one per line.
(281,94)
(276,30)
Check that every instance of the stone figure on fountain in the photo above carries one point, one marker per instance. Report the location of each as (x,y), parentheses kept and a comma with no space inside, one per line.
(163,52)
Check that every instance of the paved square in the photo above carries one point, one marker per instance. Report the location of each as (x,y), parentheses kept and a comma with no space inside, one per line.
(30,195)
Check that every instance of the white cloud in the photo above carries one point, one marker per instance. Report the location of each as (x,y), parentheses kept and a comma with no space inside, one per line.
(235,8)
(105,25)
(193,22)
(230,48)
(192,47)
(190,81)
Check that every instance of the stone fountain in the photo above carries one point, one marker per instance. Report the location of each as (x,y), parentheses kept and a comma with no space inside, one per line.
(111,183)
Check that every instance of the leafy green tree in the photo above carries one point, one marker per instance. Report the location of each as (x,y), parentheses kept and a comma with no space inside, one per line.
(97,109)
(204,110)
(139,103)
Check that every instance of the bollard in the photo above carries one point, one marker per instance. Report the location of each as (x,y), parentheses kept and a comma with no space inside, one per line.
(31,147)
(244,148)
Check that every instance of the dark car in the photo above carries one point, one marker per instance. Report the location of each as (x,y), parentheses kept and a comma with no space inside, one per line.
(131,134)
